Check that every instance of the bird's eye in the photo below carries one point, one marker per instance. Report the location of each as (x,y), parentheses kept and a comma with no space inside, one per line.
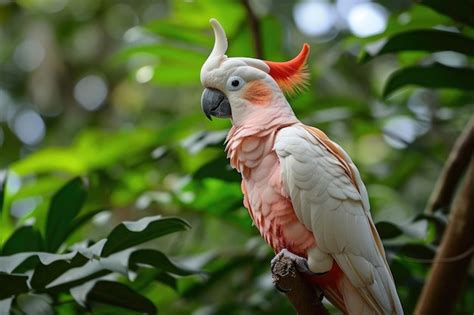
(235,83)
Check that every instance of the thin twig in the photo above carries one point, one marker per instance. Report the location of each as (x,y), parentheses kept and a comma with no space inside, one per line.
(306,299)
(255,29)
(455,166)
(439,260)
(445,281)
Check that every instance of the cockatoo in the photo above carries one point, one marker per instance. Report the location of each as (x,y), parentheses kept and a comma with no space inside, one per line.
(302,190)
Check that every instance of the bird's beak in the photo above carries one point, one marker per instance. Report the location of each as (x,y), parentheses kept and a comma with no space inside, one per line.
(215,103)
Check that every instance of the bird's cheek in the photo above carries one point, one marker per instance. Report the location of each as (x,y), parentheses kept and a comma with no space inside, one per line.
(258,93)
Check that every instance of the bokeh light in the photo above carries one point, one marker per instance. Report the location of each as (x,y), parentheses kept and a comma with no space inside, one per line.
(399,131)
(344,7)
(29,127)
(323,20)
(90,92)
(5,104)
(418,103)
(102,218)
(372,149)
(24,206)
(367,19)
(29,54)
(315,18)
(144,74)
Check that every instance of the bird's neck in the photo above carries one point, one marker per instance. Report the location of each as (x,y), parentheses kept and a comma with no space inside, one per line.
(249,143)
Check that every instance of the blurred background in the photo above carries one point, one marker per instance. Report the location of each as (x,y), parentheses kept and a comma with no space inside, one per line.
(109,90)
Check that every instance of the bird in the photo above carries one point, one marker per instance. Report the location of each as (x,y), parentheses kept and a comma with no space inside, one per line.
(301,189)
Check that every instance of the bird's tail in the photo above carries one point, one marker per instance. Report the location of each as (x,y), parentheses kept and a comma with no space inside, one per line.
(357,304)
(347,298)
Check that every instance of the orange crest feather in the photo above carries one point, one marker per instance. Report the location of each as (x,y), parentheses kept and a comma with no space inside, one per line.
(291,76)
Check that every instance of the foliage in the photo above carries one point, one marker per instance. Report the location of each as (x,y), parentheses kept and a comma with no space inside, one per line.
(395,101)
(88,272)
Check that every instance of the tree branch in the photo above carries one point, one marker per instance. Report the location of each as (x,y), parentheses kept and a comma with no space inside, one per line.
(306,299)
(255,29)
(444,284)
(455,166)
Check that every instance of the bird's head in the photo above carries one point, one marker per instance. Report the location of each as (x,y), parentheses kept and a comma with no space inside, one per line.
(240,88)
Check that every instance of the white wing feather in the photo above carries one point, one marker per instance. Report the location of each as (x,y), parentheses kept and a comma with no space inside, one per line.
(337,212)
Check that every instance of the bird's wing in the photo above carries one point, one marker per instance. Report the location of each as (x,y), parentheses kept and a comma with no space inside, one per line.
(330,199)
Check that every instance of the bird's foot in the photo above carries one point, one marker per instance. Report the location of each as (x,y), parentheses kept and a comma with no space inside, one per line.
(301,263)
(286,262)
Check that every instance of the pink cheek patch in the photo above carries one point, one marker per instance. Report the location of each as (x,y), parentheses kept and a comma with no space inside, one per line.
(258,93)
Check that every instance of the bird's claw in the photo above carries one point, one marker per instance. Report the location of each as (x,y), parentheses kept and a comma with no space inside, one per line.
(300,262)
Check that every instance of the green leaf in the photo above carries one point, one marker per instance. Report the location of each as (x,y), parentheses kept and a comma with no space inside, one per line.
(82,275)
(417,251)
(177,55)
(433,76)
(118,294)
(438,218)
(24,239)
(12,285)
(218,168)
(129,234)
(51,159)
(176,31)
(93,149)
(158,260)
(44,274)
(175,75)
(388,230)
(85,267)
(44,185)
(459,10)
(65,205)
(11,263)
(78,270)
(425,40)
(6,305)
(196,14)
(167,279)
(38,304)
(217,197)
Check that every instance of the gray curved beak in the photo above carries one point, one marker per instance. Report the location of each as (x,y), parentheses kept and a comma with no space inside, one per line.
(215,103)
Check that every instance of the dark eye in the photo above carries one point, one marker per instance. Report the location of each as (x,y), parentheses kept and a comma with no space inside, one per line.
(235,83)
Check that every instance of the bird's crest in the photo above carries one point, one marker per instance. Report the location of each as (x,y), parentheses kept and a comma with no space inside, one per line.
(291,76)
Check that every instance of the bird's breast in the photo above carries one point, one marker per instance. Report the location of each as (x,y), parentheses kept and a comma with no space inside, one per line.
(270,207)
